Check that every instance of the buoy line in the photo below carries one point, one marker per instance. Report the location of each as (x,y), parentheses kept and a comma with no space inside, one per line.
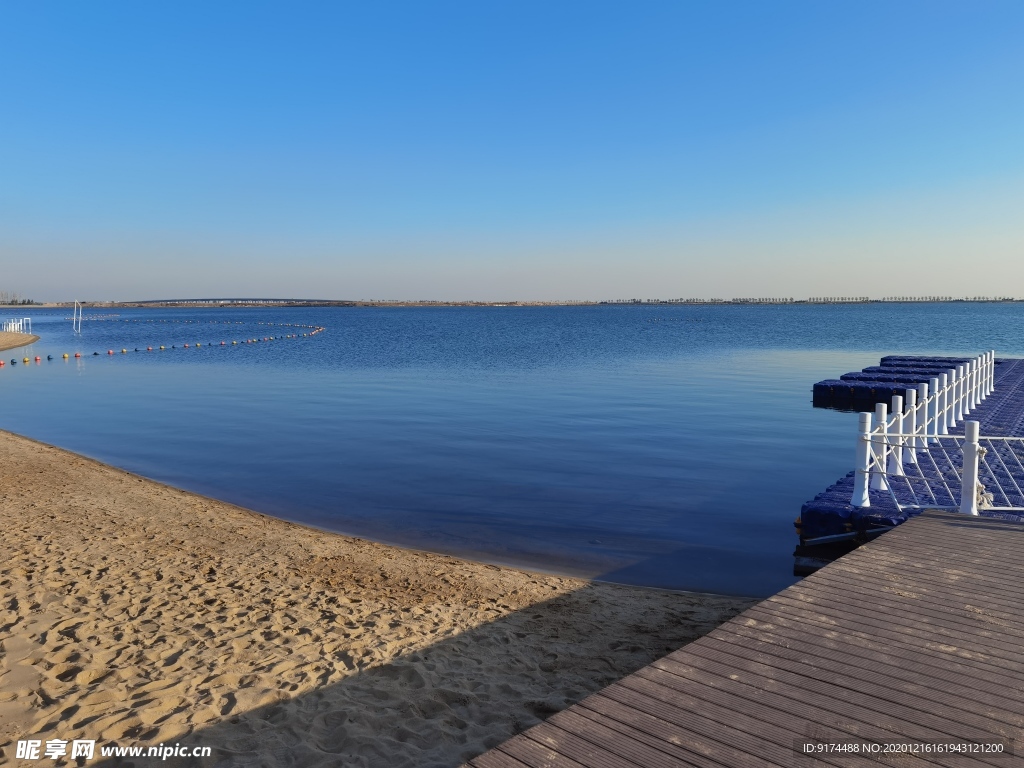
(313,331)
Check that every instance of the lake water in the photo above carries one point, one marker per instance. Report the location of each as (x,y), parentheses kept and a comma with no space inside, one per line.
(668,446)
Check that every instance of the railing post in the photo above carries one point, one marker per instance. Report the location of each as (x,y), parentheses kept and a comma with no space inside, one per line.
(958,401)
(895,465)
(969,371)
(991,371)
(969,476)
(969,388)
(933,410)
(979,390)
(860,477)
(953,372)
(944,424)
(975,382)
(911,424)
(881,448)
(952,398)
(961,409)
(922,422)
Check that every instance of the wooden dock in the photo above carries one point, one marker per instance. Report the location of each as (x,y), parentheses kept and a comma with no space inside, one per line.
(915,639)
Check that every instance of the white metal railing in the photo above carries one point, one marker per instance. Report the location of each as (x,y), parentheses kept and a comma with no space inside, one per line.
(911,454)
(24,325)
(944,473)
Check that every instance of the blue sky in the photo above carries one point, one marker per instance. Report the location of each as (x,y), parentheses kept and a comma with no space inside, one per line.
(504,150)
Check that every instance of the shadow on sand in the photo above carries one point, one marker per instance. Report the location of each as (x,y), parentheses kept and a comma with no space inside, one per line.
(455,699)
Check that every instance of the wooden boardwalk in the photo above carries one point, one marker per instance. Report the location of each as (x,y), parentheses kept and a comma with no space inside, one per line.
(915,637)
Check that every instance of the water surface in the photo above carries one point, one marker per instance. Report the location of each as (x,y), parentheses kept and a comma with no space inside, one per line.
(667,446)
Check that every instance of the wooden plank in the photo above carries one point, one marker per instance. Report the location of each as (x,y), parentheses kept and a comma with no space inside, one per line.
(681,707)
(767,702)
(961,608)
(828,695)
(938,593)
(883,607)
(992,698)
(969,539)
(658,735)
(943,702)
(976,550)
(536,755)
(960,624)
(843,695)
(599,747)
(907,597)
(935,556)
(685,727)
(937,521)
(932,636)
(910,627)
(884,636)
(575,748)
(976,553)
(1002,586)
(975,541)
(853,641)
(499,758)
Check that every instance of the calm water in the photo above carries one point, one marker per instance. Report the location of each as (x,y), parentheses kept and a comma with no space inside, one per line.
(664,446)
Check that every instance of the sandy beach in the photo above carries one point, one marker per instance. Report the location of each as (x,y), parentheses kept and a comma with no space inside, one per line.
(133,613)
(15,340)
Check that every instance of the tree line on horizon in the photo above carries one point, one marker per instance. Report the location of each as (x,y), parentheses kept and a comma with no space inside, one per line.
(948,298)
(13,298)
(812,300)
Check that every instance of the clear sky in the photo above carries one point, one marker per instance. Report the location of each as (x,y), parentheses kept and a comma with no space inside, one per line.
(498,150)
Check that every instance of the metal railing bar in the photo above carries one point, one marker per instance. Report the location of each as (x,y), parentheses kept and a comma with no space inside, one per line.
(996,453)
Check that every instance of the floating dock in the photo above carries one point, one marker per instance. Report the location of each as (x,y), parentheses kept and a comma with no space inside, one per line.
(861,390)
(830,524)
(904,652)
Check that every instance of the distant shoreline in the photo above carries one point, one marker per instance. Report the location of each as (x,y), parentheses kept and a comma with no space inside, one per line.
(272,303)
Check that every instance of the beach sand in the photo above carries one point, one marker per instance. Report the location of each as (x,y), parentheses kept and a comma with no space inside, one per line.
(15,340)
(134,613)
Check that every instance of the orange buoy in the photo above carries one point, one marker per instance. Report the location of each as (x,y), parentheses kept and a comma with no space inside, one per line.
(38,358)
(78,354)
